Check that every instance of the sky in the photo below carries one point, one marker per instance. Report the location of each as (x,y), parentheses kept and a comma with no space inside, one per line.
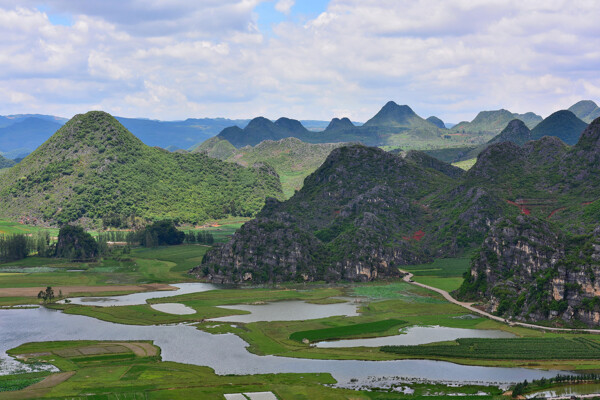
(303,59)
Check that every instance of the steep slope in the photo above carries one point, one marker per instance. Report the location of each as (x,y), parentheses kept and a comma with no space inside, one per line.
(437,122)
(28,133)
(216,147)
(356,218)
(562,124)
(293,159)
(495,121)
(93,167)
(585,110)
(543,264)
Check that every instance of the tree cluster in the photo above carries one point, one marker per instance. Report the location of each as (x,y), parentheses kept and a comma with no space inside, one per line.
(200,237)
(76,244)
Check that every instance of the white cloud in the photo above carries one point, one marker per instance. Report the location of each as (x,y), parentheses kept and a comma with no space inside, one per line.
(177,59)
(284,6)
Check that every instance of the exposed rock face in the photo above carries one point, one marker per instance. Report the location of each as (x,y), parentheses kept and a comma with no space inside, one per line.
(354,219)
(531,271)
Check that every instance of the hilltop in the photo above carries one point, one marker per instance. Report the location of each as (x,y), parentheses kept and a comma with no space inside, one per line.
(260,129)
(216,147)
(437,122)
(585,110)
(495,121)
(563,125)
(93,167)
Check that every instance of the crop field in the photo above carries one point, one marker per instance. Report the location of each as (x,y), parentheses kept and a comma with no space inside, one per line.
(356,330)
(11,228)
(557,348)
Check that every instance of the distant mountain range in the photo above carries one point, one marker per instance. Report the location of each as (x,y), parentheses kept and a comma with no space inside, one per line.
(394,126)
(23,133)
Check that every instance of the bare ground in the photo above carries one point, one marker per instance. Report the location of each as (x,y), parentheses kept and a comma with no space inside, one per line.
(67,290)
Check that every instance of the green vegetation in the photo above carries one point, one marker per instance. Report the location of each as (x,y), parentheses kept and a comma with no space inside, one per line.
(562,124)
(75,244)
(216,147)
(292,159)
(356,330)
(560,348)
(585,110)
(93,168)
(5,162)
(10,383)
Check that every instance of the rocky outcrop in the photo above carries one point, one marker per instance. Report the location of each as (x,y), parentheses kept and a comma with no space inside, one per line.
(354,219)
(529,270)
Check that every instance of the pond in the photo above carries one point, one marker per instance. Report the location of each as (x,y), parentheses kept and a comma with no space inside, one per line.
(140,298)
(416,335)
(227,353)
(288,311)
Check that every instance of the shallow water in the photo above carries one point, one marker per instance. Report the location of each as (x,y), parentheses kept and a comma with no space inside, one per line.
(418,335)
(174,308)
(288,311)
(571,390)
(227,353)
(140,298)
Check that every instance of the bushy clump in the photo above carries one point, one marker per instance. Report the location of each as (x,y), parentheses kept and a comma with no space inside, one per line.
(76,244)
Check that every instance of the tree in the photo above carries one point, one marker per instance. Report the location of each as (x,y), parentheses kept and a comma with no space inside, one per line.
(47,295)
(76,244)
(161,233)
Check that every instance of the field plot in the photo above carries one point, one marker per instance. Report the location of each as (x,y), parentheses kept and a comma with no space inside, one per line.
(443,273)
(557,348)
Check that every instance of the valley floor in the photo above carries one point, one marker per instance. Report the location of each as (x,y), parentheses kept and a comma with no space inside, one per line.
(383,308)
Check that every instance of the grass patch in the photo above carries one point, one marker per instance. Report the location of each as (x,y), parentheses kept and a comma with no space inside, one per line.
(441,267)
(397,290)
(558,348)
(10,383)
(338,332)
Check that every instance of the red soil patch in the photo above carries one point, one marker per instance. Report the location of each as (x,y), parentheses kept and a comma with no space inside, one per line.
(587,203)
(418,235)
(523,209)
(555,211)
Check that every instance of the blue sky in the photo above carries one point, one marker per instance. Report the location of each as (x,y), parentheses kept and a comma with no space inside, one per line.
(304,59)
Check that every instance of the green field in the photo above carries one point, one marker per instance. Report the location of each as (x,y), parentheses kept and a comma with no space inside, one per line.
(443,273)
(356,331)
(557,348)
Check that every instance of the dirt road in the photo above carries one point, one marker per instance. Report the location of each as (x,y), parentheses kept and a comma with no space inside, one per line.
(469,306)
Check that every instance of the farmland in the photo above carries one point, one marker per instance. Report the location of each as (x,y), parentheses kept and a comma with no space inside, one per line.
(557,348)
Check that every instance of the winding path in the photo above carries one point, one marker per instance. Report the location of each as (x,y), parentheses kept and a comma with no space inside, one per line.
(469,306)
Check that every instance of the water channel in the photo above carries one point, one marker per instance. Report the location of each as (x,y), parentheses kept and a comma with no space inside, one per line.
(227,353)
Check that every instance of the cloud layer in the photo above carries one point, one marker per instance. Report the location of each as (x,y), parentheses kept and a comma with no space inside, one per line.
(177,59)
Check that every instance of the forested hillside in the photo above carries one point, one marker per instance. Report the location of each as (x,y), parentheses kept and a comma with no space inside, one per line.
(93,167)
